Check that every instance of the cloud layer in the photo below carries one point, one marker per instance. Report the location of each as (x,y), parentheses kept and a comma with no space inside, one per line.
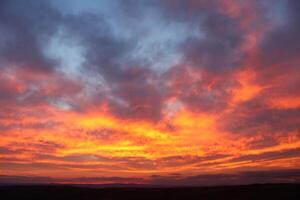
(176,92)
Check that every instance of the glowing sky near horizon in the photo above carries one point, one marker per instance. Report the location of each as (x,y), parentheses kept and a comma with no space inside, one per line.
(158,92)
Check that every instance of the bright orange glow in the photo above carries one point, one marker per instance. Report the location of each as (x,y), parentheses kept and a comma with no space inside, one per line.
(287,102)
(248,89)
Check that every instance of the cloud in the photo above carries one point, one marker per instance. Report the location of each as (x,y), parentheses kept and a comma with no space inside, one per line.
(23,34)
(289,176)
(254,116)
(147,89)
(286,36)
(247,177)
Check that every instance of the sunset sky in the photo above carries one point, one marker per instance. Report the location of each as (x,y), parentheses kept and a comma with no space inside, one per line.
(170,92)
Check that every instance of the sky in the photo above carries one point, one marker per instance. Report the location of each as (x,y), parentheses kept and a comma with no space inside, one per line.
(170,92)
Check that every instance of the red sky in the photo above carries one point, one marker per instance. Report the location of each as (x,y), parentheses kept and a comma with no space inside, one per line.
(150,92)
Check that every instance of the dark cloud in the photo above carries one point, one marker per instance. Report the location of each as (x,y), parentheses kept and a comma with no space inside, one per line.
(216,45)
(36,126)
(7,180)
(200,90)
(29,167)
(288,176)
(256,117)
(282,43)
(114,163)
(28,74)
(186,10)
(219,49)
(25,27)
(138,93)
(6,151)
(246,177)
(134,91)
(34,147)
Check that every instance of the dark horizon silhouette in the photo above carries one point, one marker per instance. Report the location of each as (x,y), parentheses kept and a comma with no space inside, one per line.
(63,192)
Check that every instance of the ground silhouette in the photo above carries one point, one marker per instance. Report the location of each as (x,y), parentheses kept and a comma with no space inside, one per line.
(66,192)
